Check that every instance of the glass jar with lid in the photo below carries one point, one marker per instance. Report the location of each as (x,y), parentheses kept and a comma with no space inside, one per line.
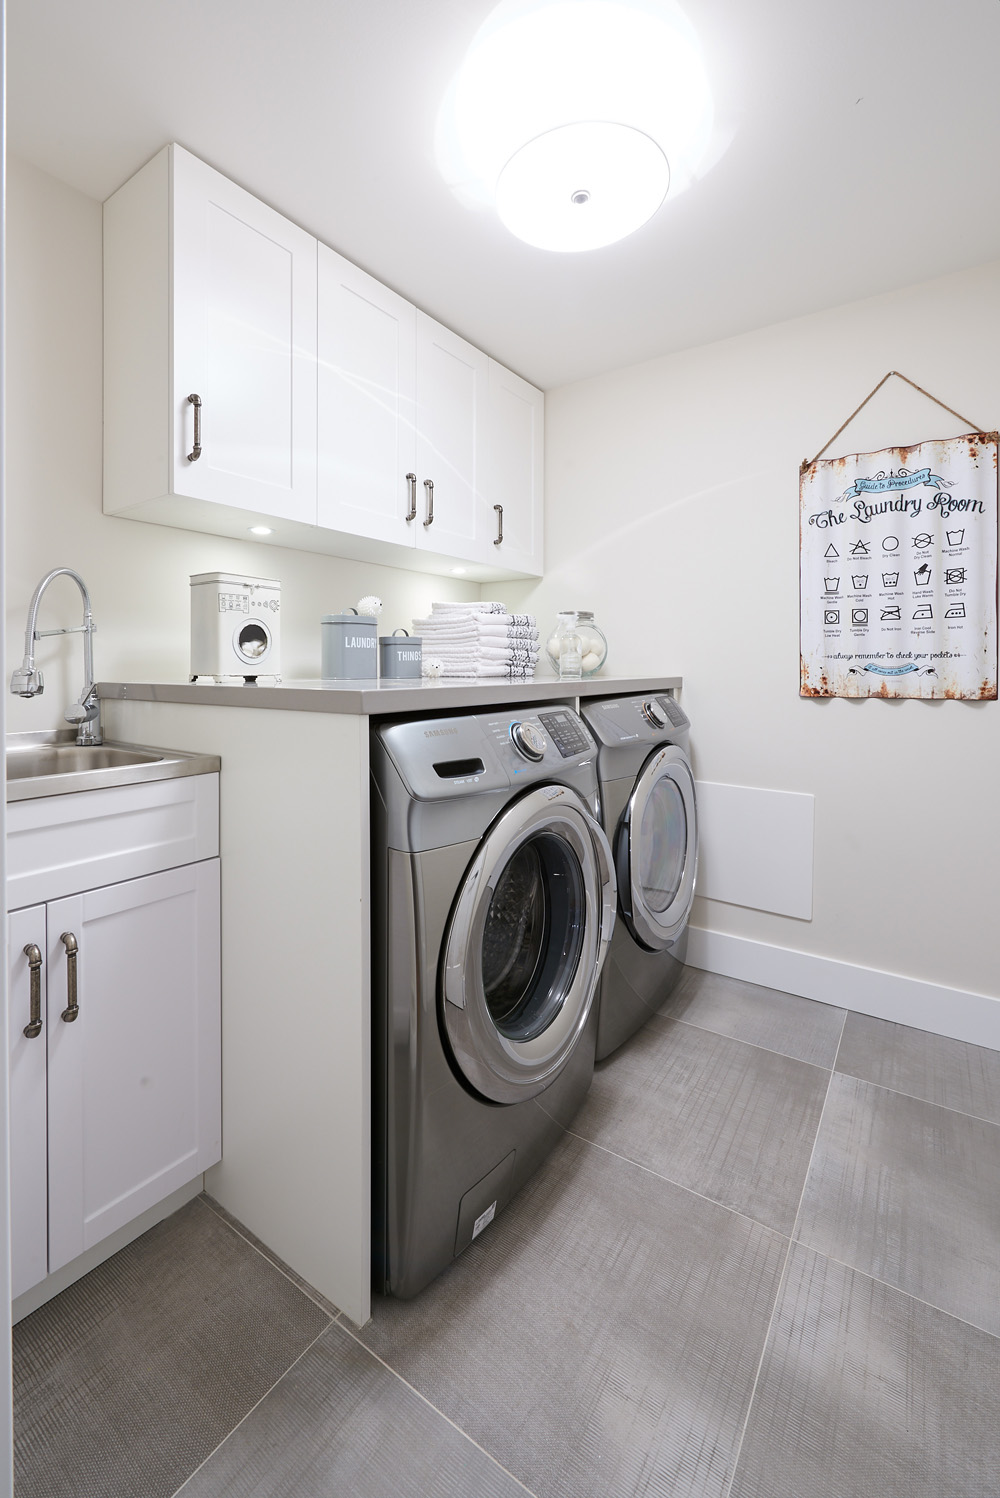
(576,633)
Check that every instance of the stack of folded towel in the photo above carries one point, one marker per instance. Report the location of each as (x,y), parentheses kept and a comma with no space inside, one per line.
(480,639)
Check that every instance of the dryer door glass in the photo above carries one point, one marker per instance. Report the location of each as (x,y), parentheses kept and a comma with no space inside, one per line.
(533,936)
(657,850)
(663,845)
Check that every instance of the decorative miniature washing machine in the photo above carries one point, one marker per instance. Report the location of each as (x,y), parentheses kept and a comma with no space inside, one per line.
(235,626)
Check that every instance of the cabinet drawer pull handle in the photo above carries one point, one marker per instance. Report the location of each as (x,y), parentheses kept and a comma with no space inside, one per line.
(429,486)
(72,1009)
(34,956)
(499,538)
(195,453)
(411,484)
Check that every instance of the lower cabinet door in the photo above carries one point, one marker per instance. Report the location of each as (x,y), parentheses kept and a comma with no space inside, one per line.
(28,1183)
(134,1024)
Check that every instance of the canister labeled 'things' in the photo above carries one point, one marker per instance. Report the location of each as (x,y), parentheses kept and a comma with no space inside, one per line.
(400,656)
(348,650)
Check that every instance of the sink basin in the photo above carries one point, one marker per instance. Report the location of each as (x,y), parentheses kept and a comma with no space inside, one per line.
(70,759)
(51,763)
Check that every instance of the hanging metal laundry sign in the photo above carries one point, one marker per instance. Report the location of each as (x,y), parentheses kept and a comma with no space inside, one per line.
(898,572)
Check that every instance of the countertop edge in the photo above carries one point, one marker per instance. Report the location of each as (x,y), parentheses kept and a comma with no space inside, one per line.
(373,699)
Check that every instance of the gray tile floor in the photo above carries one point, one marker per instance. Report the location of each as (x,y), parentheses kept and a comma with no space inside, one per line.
(764,1264)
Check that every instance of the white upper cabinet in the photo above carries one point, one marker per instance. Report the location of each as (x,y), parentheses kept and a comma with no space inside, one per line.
(367,369)
(252,374)
(208,293)
(451,402)
(512,473)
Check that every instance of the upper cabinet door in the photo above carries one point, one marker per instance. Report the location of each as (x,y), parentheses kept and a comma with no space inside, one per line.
(28,1150)
(367,369)
(244,308)
(451,401)
(512,472)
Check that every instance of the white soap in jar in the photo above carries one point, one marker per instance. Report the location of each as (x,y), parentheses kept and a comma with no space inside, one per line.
(590,661)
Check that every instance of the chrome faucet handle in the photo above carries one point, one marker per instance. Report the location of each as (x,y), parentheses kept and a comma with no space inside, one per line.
(27,681)
(86,713)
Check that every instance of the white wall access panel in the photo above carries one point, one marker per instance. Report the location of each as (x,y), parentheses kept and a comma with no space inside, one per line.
(58,845)
(28,1179)
(134,1080)
(367,370)
(756,848)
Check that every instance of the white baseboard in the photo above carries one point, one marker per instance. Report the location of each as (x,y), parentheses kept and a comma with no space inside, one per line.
(973,1017)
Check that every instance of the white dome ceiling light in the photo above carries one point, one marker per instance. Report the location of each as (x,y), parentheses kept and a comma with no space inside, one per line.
(575,117)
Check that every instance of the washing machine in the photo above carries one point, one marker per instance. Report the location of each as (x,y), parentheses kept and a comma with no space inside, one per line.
(650,815)
(493,907)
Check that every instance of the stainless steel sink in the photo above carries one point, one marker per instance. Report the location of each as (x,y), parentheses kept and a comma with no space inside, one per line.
(53,764)
(69,759)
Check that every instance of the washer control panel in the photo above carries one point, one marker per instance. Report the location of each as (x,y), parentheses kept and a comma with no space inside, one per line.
(566,731)
(442,758)
(653,713)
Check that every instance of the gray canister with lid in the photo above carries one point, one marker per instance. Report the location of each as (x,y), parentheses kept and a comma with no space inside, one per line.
(400,656)
(348,647)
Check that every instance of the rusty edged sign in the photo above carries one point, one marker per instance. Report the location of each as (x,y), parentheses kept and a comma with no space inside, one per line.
(898,572)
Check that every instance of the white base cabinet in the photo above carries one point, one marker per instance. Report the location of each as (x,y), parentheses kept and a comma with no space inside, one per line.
(325,404)
(116,1086)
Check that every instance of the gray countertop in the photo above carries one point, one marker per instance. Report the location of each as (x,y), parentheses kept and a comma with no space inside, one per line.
(375,698)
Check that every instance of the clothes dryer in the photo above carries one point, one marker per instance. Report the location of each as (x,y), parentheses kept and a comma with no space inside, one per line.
(493,907)
(650,815)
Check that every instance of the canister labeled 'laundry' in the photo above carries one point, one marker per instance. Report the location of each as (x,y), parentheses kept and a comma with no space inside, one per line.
(400,656)
(348,647)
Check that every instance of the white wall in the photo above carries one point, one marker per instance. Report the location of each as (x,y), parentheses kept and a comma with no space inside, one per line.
(137,573)
(672,511)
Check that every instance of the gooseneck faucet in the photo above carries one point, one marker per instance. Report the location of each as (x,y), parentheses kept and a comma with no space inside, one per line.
(27,680)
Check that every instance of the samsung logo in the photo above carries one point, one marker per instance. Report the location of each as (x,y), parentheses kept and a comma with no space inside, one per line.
(437,733)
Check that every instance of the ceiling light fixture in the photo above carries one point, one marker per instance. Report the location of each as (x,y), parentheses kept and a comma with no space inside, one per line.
(260,530)
(576,116)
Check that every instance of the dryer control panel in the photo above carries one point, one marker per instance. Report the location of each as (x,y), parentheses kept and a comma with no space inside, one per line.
(644,720)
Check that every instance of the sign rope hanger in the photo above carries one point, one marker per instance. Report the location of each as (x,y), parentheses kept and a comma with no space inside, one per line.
(893,373)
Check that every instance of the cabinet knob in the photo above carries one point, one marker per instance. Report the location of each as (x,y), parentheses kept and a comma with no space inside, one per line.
(195,453)
(429,487)
(34,956)
(72,1009)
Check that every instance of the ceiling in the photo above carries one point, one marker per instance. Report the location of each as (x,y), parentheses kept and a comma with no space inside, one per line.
(856,152)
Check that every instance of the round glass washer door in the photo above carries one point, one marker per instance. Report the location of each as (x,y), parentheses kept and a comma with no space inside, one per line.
(526,942)
(656,850)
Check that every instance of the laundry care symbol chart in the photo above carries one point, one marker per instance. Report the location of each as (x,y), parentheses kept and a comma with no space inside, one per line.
(898,572)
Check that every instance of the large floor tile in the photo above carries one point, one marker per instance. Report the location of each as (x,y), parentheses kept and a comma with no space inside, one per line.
(128,1379)
(778,1021)
(933,1067)
(867,1393)
(340,1425)
(727,1119)
(601,1338)
(910,1193)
